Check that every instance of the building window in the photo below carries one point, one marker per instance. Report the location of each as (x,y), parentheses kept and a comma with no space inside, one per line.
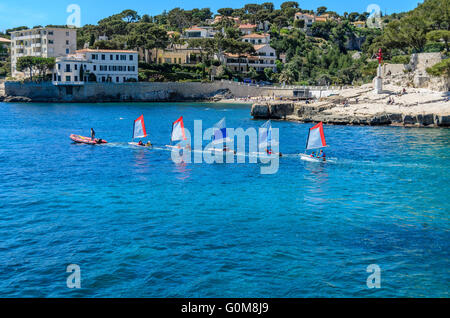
(111,57)
(68,68)
(76,67)
(117,79)
(76,78)
(67,42)
(59,66)
(131,57)
(50,32)
(67,34)
(68,78)
(117,57)
(67,51)
(103,57)
(95,67)
(50,41)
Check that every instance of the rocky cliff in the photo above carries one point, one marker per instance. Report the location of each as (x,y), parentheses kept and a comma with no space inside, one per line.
(361,106)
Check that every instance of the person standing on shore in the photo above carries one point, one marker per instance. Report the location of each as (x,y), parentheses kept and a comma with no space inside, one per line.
(92,134)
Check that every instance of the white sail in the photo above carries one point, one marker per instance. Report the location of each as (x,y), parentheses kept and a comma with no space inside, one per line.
(316,138)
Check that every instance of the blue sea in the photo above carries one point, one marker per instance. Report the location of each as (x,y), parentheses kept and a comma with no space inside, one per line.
(139,225)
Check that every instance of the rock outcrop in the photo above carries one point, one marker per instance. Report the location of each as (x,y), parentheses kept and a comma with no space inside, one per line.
(330,114)
(17,99)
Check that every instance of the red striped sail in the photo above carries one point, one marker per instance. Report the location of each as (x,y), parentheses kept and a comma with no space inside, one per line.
(139,128)
(316,138)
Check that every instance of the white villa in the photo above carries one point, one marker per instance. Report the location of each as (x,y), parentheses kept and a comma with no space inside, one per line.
(256,38)
(199,33)
(265,58)
(309,19)
(114,66)
(247,28)
(41,42)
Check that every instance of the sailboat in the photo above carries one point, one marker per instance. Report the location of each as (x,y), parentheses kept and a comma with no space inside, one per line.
(178,134)
(316,140)
(265,140)
(139,132)
(221,138)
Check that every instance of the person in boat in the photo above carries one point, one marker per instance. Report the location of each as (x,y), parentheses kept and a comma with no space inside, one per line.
(92,134)
(148,144)
(99,141)
(321,155)
(140,143)
(270,152)
(313,154)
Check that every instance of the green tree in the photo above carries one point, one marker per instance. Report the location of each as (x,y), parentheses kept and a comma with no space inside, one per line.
(26,64)
(321,10)
(438,35)
(225,12)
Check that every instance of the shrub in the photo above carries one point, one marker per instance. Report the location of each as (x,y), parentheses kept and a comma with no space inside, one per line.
(440,69)
(401,59)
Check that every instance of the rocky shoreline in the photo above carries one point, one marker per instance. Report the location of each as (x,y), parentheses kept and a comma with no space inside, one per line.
(411,108)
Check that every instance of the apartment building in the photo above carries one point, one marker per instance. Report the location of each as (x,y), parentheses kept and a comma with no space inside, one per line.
(88,65)
(265,57)
(41,42)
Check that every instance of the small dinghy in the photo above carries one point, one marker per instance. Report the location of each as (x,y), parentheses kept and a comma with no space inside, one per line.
(139,131)
(178,134)
(220,140)
(87,140)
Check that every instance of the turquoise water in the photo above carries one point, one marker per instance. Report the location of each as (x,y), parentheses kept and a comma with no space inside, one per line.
(139,225)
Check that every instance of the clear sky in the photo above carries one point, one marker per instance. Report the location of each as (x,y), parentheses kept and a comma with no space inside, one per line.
(15,13)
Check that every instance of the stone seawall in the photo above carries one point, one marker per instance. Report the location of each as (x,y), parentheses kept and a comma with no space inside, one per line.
(325,113)
(149,92)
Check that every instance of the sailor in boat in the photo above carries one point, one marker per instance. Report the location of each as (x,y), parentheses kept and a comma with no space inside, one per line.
(322,155)
(270,152)
(92,134)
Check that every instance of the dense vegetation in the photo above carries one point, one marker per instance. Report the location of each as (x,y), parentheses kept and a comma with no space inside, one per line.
(334,52)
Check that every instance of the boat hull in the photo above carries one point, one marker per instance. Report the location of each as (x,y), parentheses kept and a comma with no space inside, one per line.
(86,140)
(306,157)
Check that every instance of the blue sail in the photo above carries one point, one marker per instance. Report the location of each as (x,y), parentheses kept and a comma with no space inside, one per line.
(220,132)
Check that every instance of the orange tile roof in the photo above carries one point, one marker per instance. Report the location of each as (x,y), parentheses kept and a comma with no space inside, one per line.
(247,26)
(256,35)
(259,46)
(104,51)
(305,14)
(5,40)
(195,28)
